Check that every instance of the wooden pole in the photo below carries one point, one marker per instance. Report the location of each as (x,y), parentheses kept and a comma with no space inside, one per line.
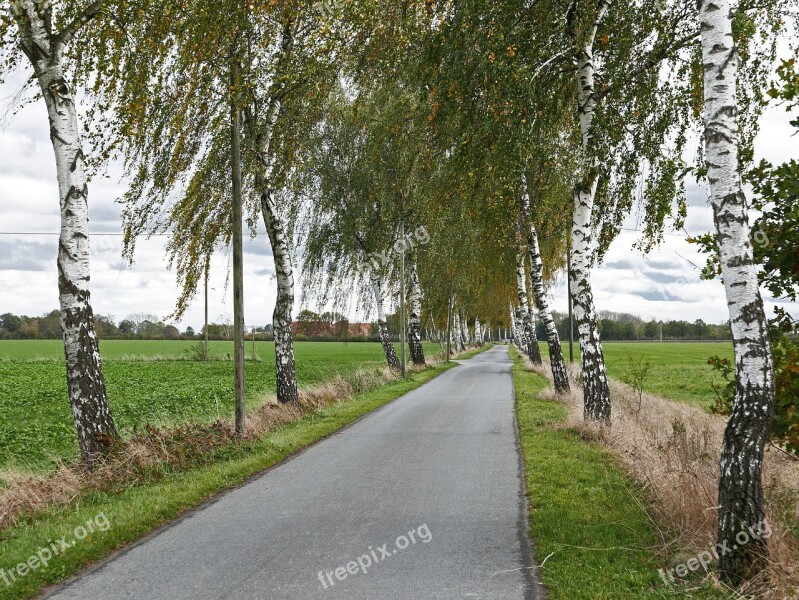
(238,249)
(205,347)
(449,325)
(402,299)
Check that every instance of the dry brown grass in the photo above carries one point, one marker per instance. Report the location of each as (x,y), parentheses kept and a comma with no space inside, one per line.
(673,450)
(144,457)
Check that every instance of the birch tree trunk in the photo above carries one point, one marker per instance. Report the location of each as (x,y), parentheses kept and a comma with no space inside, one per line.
(465,332)
(282,317)
(525,318)
(94,424)
(458,333)
(414,319)
(749,428)
(558,363)
(478,333)
(596,392)
(286,373)
(514,330)
(385,338)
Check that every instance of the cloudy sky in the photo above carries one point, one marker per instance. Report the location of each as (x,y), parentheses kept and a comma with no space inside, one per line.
(663,285)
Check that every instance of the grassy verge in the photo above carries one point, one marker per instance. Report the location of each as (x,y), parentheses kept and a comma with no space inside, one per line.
(588,519)
(135,512)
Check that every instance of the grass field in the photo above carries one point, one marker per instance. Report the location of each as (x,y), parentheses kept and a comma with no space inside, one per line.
(156,382)
(131,350)
(149,382)
(679,370)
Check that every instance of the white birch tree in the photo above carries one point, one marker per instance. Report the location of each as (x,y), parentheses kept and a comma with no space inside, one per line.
(415,314)
(43,32)
(557,362)
(749,428)
(175,133)
(524,316)
(382,324)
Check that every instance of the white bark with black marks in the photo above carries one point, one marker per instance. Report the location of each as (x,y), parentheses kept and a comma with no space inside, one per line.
(457,332)
(478,332)
(44,48)
(414,318)
(385,339)
(596,391)
(514,329)
(749,426)
(465,331)
(525,316)
(286,374)
(558,363)
(282,317)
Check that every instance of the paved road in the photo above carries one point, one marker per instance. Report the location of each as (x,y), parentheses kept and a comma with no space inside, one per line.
(420,500)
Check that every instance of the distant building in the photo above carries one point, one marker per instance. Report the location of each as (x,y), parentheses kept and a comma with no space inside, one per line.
(360,329)
(321,328)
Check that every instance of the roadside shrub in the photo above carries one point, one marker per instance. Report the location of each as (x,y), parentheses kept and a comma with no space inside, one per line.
(785,350)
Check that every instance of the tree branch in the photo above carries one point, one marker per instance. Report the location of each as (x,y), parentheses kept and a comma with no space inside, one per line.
(650,63)
(549,62)
(86,15)
(604,6)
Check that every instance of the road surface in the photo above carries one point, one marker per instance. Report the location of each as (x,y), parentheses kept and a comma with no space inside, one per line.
(420,500)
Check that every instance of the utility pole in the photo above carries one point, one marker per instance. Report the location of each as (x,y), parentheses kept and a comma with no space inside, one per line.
(449,324)
(205,347)
(402,298)
(238,246)
(571,305)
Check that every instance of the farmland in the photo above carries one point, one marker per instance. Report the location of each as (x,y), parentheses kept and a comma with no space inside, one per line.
(149,383)
(679,370)
(157,383)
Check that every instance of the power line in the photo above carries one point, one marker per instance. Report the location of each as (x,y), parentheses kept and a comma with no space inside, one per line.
(680,235)
(49,233)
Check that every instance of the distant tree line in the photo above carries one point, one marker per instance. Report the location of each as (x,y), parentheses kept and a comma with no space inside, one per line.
(331,326)
(619,327)
(138,327)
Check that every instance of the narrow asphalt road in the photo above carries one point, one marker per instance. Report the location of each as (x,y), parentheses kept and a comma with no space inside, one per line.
(420,500)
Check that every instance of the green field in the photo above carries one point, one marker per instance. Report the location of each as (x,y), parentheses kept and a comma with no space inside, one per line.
(157,383)
(679,370)
(129,350)
(149,383)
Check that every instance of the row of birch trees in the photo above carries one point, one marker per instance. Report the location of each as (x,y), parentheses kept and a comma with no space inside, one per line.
(457,151)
